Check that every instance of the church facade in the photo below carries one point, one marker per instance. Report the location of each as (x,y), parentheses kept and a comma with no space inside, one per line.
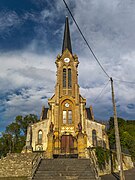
(67,126)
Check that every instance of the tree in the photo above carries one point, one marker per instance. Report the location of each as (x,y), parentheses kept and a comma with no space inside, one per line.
(127,135)
(13,129)
(5,144)
(14,137)
(24,122)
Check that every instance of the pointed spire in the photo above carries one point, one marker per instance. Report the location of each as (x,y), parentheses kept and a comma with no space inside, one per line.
(66,39)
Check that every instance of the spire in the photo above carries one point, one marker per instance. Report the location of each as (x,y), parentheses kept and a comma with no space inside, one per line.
(66,39)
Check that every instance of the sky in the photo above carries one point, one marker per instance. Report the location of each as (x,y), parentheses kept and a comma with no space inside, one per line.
(31,35)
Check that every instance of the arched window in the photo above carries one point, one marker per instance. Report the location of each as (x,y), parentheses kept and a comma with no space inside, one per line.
(94,137)
(70,117)
(64,117)
(67,112)
(40,136)
(64,78)
(67,117)
(69,78)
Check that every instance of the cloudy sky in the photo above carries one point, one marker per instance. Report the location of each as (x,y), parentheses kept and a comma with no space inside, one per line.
(31,34)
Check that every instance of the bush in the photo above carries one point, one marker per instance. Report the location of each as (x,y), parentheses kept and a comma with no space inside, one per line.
(103,156)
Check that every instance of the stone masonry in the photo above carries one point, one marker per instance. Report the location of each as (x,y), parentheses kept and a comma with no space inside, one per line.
(16,165)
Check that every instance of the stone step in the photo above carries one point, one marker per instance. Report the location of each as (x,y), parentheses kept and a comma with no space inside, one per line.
(64,178)
(66,160)
(63,156)
(64,169)
(63,173)
(51,176)
(61,164)
(65,163)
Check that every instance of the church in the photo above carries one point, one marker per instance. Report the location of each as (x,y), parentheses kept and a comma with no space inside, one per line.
(66,127)
(61,145)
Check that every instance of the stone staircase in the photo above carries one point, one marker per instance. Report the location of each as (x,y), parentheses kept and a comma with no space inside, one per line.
(63,169)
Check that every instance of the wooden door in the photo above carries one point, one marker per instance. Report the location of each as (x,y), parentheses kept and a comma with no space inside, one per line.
(67,144)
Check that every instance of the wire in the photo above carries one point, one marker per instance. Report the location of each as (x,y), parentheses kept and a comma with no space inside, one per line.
(85,39)
(101,91)
(124,81)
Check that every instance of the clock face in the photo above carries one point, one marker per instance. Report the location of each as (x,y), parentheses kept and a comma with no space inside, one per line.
(66,105)
(66,60)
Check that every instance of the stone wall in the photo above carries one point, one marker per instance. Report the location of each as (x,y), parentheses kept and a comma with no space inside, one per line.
(100,133)
(127,161)
(16,165)
(112,166)
(44,127)
(14,178)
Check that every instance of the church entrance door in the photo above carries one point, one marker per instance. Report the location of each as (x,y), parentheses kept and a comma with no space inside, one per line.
(67,144)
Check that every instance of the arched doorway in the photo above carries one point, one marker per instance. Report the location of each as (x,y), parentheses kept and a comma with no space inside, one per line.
(67,144)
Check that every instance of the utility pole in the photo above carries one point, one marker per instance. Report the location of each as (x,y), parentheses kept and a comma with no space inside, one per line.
(117,138)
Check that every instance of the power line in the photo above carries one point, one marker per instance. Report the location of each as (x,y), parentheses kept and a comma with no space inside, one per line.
(91,48)
(101,91)
(124,81)
(85,40)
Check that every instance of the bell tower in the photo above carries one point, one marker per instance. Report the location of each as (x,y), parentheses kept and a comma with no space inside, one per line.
(67,63)
(67,105)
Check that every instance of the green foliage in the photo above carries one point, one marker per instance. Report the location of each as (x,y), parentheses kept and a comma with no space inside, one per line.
(14,137)
(127,134)
(24,122)
(13,129)
(5,144)
(131,127)
(102,156)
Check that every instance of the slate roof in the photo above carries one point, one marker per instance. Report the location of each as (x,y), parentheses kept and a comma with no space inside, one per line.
(88,113)
(66,39)
(45,111)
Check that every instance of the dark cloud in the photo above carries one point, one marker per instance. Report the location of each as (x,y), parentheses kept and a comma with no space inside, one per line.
(131,106)
(31,33)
